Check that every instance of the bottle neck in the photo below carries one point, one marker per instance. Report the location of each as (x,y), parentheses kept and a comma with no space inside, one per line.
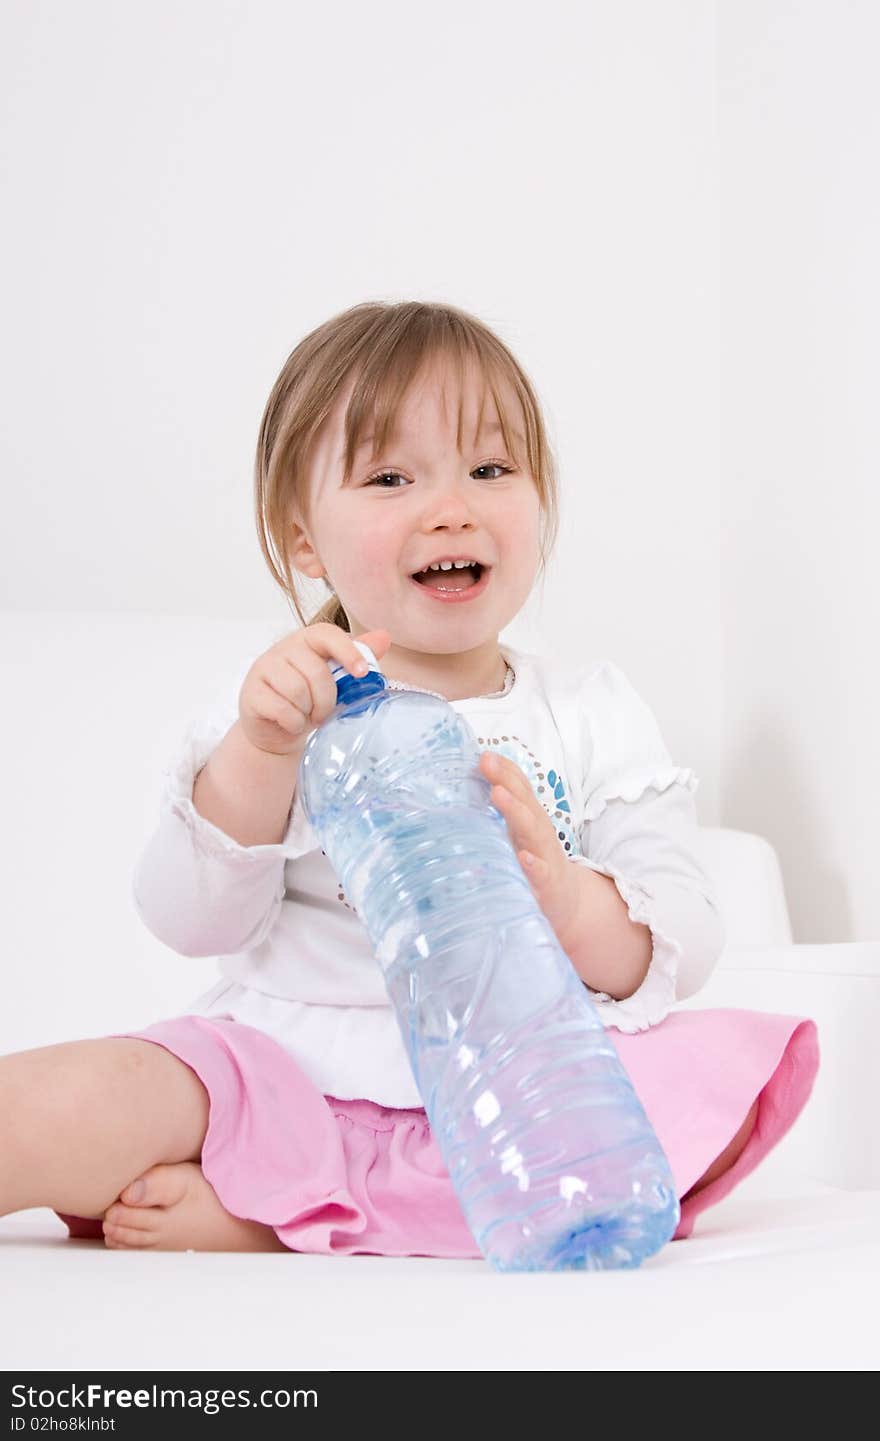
(352,688)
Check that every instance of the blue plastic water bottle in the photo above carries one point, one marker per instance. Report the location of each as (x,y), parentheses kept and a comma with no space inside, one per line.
(552,1157)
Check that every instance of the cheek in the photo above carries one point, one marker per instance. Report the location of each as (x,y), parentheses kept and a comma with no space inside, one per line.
(522,533)
(375,548)
(370,557)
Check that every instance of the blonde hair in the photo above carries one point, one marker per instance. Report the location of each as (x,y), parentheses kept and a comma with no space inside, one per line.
(382,346)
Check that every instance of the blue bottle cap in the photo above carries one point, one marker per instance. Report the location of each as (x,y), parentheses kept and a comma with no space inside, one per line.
(364,684)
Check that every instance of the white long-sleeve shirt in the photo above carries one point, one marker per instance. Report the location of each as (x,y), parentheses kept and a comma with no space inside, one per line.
(294,956)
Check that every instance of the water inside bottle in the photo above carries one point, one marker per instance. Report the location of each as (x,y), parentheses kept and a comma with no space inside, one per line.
(546,1142)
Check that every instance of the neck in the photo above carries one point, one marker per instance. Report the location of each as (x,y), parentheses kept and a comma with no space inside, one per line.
(456,677)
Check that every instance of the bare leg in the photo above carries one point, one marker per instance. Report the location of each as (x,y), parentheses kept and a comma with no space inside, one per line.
(79,1120)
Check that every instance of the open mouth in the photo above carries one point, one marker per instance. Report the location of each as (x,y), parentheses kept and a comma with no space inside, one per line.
(454,584)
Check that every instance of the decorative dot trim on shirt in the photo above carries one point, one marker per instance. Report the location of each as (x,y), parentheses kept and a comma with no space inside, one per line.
(509,678)
(547,784)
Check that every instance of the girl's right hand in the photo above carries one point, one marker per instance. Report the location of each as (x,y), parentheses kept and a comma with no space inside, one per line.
(289,690)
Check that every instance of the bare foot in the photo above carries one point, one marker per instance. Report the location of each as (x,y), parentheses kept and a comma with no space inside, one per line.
(180,1211)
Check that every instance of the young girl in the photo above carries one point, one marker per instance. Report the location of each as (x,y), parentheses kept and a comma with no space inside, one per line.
(402,458)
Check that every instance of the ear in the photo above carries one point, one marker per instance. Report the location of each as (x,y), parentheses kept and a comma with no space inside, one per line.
(301,552)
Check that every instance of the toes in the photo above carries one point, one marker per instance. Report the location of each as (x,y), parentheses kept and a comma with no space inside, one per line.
(126,1238)
(120,1215)
(160,1186)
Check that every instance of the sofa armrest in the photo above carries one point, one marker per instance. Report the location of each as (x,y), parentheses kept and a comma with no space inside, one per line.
(745,872)
(836,1138)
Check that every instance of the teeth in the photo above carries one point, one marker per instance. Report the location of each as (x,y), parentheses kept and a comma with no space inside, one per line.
(451,565)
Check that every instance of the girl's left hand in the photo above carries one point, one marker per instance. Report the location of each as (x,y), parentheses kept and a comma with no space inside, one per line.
(551,874)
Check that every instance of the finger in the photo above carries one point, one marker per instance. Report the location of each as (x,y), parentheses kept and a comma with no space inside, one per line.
(535,868)
(521,802)
(313,648)
(331,643)
(529,827)
(522,822)
(506,772)
(302,674)
(328,643)
(321,687)
(274,707)
(510,805)
(289,682)
(377,640)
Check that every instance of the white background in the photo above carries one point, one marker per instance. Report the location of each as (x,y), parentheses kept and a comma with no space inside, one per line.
(670,212)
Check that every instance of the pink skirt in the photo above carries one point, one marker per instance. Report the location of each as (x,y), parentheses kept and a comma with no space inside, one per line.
(354,1177)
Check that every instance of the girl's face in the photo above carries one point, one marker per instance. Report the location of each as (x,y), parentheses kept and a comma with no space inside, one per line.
(419,502)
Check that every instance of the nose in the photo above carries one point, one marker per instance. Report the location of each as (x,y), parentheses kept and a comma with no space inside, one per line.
(447,507)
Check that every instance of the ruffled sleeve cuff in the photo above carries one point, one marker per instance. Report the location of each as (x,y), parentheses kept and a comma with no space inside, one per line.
(656,996)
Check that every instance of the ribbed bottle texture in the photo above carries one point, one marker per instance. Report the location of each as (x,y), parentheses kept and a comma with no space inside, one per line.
(551,1154)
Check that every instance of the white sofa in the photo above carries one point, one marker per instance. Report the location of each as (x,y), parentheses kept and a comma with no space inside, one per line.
(781,1275)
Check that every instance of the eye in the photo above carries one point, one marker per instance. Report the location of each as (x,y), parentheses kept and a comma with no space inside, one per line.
(494,465)
(385,475)
(395,474)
